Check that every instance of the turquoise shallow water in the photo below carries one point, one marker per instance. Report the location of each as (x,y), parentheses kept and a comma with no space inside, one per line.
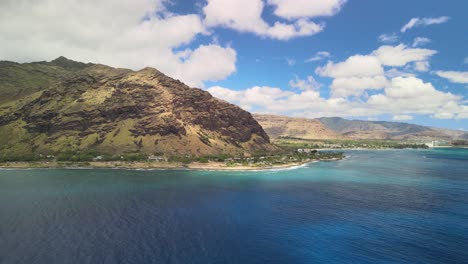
(396,206)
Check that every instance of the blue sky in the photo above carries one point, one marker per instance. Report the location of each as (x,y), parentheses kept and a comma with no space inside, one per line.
(373,60)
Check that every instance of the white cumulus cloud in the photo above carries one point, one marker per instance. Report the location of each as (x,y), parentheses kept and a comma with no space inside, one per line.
(118,33)
(306,8)
(246,16)
(354,66)
(413,95)
(401,55)
(209,62)
(359,73)
(355,86)
(401,97)
(252,97)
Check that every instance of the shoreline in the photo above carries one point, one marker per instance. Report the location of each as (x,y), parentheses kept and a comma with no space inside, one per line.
(210,166)
(376,149)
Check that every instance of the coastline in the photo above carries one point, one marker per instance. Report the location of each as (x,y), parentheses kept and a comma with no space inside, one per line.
(210,166)
(373,149)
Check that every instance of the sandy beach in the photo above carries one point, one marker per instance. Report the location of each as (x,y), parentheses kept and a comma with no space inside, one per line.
(153,165)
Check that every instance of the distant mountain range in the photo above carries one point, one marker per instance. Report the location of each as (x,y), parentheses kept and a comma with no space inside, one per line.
(69,106)
(283,126)
(340,128)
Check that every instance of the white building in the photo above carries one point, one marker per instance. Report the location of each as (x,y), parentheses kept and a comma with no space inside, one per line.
(156,158)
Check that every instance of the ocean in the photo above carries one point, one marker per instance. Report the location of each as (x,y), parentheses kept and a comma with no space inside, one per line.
(391,206)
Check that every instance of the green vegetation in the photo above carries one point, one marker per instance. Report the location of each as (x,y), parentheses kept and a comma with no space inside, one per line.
(284,158)
(202,159)
(181,159)
(83,158)
(290,150)
(74,157)
(296,143)
(87,156)
(460,143)
(204,138)
(22,157)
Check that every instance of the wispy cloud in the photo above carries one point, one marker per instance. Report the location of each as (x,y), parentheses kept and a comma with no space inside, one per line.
(305,85)
(290,61)
(319,56)
(426,21)
(454,76)
(419,41)
(421,66)
(389,38)
(402,118)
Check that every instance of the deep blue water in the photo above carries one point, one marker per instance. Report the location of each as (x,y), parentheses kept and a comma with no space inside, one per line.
(404,206)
